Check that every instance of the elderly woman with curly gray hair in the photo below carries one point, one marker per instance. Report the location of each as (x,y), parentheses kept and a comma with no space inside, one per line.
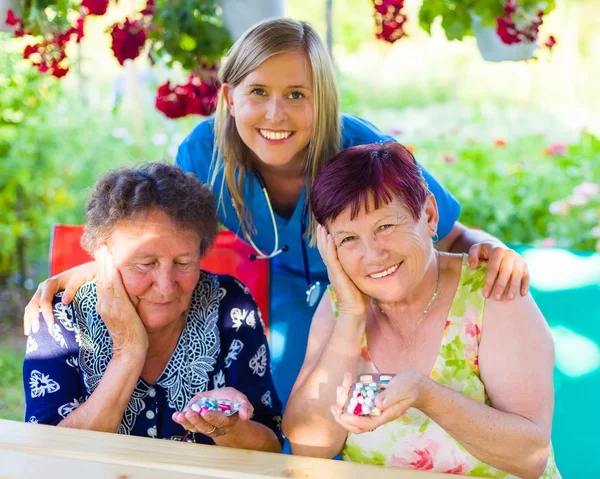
(154,333)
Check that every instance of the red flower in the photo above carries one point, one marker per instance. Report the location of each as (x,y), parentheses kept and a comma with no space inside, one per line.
(384,6)
(424,462)
(128,39)
(149,10)
(49,55)
(29,50)
(12,19)
(499,143)
(517,25)
(388,20)
(95,7)
(550,42)
(196,97)
(59,72)
(506,30)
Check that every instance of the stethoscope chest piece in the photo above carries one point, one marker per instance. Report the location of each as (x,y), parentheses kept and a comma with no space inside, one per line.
(313,293)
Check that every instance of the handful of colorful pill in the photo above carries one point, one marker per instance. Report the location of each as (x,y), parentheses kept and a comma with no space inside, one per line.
(228,408)
(361,400)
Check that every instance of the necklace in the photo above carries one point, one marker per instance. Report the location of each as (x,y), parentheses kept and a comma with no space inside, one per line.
(426,309)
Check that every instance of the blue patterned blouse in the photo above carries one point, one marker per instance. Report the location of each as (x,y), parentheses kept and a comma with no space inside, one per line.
(223,343)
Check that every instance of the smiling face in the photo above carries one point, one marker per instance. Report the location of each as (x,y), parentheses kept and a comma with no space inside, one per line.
(159,264)
(385,252)
(273,109)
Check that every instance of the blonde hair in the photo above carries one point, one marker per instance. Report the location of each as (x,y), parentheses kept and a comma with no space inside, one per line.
(259,43)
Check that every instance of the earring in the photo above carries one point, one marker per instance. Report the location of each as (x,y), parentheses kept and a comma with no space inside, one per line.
(435,238)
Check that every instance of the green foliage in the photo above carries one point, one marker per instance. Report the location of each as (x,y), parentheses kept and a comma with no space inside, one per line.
(53,147)
(519,192)
(189,32)
(11,386)
(27,175)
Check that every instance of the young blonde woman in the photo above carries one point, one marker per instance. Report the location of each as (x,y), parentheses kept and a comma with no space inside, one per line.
(276,125)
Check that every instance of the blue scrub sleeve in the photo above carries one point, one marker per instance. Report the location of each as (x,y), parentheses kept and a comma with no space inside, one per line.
(196,152)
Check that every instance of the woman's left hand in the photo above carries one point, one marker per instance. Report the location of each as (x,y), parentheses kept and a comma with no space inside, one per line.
(214,423)
(507,272)
(403,392)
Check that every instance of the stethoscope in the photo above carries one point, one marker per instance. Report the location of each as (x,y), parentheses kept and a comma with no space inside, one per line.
(313,290)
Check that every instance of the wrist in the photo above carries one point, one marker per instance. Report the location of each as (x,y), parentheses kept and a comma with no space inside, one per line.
(130,356)
(231,437)
(423,387)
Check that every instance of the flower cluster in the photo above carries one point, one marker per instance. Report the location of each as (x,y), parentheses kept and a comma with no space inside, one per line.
(128,39)
(389,20)
(188,32)
(517,25)
(48,55)
(196,97)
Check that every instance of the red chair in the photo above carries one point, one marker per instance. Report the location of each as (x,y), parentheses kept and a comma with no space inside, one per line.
(229,255)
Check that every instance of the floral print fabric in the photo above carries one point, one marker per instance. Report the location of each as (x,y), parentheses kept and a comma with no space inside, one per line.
(415,441)
(223,343)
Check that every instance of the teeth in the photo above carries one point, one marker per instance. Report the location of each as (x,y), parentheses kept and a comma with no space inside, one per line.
(385,273)
(275,135)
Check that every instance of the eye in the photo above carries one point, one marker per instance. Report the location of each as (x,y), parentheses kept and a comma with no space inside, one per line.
(386,227)
(183,264)
(347,240)
(296,95)
(258,92)
(145,266)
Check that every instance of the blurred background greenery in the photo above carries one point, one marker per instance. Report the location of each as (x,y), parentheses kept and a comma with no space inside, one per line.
(517,143)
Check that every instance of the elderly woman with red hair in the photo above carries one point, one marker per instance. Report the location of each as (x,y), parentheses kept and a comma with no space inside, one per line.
(472,391)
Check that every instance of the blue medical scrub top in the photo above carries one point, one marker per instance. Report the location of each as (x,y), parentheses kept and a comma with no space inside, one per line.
(290,315)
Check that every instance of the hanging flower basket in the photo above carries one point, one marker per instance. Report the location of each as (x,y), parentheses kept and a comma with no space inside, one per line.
(505,30)
(493,49)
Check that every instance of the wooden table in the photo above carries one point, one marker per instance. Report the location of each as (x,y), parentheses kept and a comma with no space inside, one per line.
(35,451)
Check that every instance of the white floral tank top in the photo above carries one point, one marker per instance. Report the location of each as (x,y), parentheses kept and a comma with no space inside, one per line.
(415,441)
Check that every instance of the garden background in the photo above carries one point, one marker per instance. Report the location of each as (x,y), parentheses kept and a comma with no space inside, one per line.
(516,142)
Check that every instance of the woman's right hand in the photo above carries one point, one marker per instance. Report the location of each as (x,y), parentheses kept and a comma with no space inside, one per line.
(118,313)
(70,280)
(350,300)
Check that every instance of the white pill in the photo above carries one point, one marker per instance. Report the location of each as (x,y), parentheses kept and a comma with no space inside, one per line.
(196,407)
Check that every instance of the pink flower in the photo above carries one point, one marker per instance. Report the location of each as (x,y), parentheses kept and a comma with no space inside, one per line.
(395,131)
(549,243)
(550,42)
(449,159)
(556,149)
(456,470)
(577,200)
(586,189)
(472,330)
(420,459)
